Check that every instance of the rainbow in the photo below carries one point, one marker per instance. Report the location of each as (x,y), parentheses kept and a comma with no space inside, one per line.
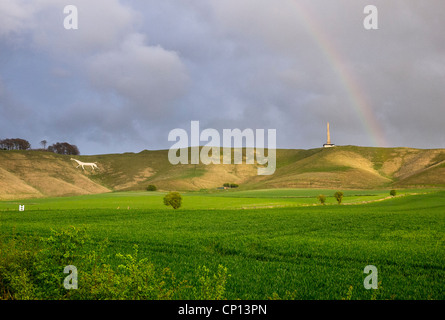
(356,93)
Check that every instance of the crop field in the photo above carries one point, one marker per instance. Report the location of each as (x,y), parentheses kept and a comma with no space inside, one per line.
(272,244)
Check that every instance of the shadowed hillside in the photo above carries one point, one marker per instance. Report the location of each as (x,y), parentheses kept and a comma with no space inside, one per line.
(27,174)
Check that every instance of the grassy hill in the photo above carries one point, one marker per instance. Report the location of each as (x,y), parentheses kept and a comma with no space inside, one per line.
(30,174)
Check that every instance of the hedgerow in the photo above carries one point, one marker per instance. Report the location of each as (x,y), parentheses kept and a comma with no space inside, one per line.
(32,268)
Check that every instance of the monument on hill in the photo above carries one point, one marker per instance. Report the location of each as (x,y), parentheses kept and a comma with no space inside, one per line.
(328,143)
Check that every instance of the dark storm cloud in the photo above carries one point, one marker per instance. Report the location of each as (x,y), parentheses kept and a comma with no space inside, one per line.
(134,70)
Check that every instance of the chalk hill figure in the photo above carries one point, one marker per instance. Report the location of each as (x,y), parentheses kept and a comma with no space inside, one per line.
(83,164)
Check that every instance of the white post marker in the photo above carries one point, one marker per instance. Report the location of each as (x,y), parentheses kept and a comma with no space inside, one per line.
(22,207)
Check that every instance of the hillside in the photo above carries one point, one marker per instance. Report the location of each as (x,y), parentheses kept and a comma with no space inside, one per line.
(29,174)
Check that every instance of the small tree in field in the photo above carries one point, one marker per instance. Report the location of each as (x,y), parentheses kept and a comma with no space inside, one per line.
(393,192)
(151,187)
(339,196)
(322,199)
(173,199)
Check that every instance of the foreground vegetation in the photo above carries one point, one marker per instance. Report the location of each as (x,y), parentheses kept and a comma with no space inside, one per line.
(265,244)
(30,269)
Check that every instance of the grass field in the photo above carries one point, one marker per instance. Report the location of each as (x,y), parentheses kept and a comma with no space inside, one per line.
(274,243)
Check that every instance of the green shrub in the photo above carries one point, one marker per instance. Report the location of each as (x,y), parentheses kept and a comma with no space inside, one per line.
(173,199)
(230,185)
(322,199)
(133,279)
(211,287)
(393,192)
(17,258)
(338,196)
(152,187)
(33,269)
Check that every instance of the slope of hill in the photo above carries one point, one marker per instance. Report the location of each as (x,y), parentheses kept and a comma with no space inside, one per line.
(26,174)
(360,167)
(29,174)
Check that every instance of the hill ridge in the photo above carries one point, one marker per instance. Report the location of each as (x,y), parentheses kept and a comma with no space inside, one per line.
(28,174)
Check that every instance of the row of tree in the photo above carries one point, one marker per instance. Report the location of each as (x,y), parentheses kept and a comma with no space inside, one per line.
(64,148)
(231,185)
(14,144)
(22,144)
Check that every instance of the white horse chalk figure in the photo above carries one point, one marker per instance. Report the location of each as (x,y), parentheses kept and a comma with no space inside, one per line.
(90,164)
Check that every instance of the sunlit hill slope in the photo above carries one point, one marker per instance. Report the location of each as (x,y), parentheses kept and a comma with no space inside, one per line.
(28,174)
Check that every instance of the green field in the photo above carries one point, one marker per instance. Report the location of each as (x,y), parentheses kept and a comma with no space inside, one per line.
(274,243)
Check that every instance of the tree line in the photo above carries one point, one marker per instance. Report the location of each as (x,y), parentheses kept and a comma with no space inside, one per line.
(14,144)
(22,144)
(64,148)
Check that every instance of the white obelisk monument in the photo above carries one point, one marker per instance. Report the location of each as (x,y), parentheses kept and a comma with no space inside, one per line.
(328,143)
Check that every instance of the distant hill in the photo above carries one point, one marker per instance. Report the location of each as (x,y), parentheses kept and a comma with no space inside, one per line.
(28,174)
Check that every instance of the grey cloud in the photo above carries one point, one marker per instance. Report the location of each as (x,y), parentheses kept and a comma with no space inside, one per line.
(102,25)
(135,70)
(14,15)
(149,78)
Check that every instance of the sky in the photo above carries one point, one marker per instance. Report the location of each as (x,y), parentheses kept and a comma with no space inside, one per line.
(134,70)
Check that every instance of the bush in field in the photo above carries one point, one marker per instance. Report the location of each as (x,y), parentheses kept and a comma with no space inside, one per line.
(134,279)
(173,199)
(211,287)
(322,199)
(338,196)
(151,187)
(230,185)
(33,269)
(393,192)
(17,257)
